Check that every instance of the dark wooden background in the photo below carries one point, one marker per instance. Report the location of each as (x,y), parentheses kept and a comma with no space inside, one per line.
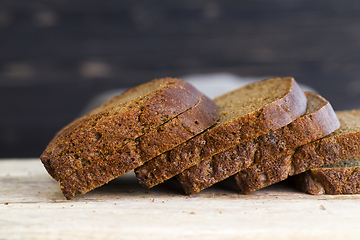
(55,55)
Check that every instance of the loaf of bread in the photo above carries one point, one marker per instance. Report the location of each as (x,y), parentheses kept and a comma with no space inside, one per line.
(341,144)
(318,121)
(245,113)
(125,132)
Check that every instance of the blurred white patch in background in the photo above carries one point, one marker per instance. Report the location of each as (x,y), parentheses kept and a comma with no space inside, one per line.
(20,72)
(216,84)
(95,69)
(46,18)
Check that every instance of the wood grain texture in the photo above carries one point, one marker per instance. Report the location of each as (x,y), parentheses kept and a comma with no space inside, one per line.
(33,207)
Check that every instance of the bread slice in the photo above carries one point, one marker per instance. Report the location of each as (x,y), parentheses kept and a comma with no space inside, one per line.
(338,178)
(319,121)
(339,145)
(245,113)
(100,141)
(142,149)
(342,177)
(121,119)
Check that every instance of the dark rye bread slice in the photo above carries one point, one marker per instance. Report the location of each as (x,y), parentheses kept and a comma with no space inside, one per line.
(343,176)
(318,121)
(338,178)
(121,119)
(245,113)
(342,144)
(135,153)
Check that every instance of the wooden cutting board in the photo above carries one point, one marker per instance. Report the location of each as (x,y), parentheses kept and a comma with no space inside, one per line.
(33,207)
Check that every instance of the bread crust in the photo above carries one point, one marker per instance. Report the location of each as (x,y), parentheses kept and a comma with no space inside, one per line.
(272,150)
(221,137)
(135,153)
(337,146)
(91,137)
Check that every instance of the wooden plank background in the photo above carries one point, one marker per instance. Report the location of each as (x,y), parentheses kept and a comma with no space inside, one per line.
(56,55)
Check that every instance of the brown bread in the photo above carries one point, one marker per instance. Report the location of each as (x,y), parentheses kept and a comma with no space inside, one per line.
(121,119)
(144,148)
(97,138)
(245,113)
(337,178)
(342,177)
(319,121)
(339,145)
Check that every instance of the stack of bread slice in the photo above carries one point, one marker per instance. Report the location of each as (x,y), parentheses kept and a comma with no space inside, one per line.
(338,153)
(266,159)
(245,113)
(125,132)
(166,128)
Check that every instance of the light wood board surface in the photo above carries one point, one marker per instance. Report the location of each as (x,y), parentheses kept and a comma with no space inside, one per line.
(33,207)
